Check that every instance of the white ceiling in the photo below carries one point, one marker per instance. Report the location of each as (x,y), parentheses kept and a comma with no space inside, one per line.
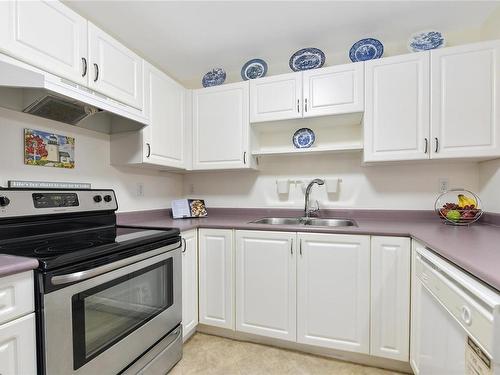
(187,38)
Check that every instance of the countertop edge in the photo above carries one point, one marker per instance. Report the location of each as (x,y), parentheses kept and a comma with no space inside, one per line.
(11,264)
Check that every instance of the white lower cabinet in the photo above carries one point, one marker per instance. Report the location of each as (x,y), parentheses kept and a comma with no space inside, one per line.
(17,325)
(337,291)
(189,282)
(390,297)
(333,291)
(266,283)
(18,346)
(216,277)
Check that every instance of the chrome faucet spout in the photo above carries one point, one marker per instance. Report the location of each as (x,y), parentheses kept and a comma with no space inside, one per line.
(318,181)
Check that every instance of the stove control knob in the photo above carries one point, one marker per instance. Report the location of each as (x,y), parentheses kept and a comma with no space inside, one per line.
(97,198)
(4,201)
(108,198)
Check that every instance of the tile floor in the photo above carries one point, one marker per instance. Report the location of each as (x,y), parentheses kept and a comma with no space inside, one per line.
(212,355)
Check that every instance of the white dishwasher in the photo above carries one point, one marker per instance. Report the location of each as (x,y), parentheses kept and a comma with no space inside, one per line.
(455,319)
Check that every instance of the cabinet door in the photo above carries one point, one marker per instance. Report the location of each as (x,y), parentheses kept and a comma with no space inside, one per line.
(16,296)
(334,90)
(45,34)
(189,283)
(465,120)
(216,277)
(165,108)
(396,119)
(333,291)
(114,70)
(276,98)
(390,297)
(221,127)
(266,284)
(18,347)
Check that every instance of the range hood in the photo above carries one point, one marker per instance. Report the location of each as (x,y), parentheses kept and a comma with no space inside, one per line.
(30,90)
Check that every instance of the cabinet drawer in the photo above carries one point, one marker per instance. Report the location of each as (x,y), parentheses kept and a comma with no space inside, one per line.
(18,347)
(16,296)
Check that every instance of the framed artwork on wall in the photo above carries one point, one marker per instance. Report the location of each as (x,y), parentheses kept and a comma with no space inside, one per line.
(48,149)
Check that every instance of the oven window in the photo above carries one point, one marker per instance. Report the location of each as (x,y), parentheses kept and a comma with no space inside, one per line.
(105,314)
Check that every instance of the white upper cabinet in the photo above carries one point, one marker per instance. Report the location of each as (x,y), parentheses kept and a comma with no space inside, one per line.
(333,90)
(318,92)
(221,127)
(216,277)
(333,291)
(114,70)
(390,297)
(276,98)
(45,34)
(189,282)
(266,284)
(164,138)
(397,117)
(465,119)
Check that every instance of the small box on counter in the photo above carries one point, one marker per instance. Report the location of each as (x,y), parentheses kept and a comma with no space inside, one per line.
(188,208)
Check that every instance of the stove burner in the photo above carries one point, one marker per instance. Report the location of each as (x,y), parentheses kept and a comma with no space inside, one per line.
(61,248)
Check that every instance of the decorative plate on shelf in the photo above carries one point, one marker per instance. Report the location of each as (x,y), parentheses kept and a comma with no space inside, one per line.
(307,58)
(214,77)
(366,49)
(303,138)
(426,40)
(255,68)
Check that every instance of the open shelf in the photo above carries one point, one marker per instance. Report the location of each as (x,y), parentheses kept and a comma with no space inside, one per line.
(311,150)
(332,136)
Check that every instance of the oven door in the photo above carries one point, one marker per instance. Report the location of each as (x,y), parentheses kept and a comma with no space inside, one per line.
(105,322)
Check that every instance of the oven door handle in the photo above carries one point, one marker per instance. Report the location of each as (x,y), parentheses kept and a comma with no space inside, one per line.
(88,274)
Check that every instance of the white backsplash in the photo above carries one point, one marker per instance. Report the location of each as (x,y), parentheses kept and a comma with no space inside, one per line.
(390,186)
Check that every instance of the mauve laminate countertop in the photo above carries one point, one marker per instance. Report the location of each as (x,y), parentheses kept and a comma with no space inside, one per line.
(476,249)
(10,264)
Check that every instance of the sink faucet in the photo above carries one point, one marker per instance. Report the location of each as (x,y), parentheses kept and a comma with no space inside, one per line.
(307,210)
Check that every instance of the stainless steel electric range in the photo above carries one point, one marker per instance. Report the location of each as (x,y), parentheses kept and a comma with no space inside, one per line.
(108,297)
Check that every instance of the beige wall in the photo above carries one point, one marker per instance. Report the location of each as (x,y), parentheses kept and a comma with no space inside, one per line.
(389,186)
(92,164)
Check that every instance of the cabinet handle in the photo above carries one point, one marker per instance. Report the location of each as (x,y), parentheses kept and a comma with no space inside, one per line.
(298,105)
(305,102)
(244,157)
(426,146)
(300,247)
(291,246)
(84,67)
(149,150)
(96,67)
(184,245)
(437,145)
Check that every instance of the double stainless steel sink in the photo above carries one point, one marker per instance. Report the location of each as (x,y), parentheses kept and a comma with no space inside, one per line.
(309,221)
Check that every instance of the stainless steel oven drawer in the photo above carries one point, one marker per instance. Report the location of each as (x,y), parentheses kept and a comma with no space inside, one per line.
(161,358)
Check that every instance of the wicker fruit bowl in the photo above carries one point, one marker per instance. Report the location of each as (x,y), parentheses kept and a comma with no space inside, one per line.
(458,207)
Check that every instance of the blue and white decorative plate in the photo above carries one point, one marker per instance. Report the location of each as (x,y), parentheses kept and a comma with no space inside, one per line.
(307,58)
(366,49)
(214,77)
(426,40)
(255,68)
(303,138)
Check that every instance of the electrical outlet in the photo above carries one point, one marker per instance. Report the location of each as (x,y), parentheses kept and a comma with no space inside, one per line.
(443,184)
(191,188)
(140,189)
